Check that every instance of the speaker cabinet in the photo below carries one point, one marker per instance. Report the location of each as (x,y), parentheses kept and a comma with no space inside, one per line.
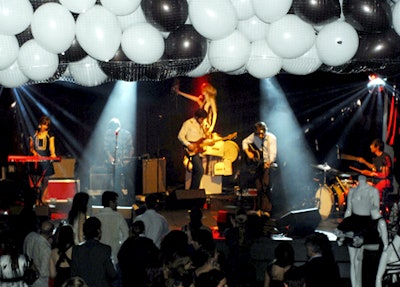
(154,175)
(64,169)
(299,222)
(187,198)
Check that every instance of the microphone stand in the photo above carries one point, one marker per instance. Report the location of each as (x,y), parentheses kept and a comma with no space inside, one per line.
(115,159)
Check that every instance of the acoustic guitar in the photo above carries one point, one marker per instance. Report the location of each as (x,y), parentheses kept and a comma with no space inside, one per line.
(257,160)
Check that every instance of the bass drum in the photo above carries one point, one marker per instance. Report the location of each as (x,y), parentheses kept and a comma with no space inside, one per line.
(231,150)
(325,200)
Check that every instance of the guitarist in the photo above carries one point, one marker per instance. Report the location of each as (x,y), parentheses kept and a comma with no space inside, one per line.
(265,143)
(192,131)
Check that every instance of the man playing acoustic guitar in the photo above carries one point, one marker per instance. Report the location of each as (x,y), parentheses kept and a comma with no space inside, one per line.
(261,148)
(192,131)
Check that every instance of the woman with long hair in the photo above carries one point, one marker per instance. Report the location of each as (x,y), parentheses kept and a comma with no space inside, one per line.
(77,215)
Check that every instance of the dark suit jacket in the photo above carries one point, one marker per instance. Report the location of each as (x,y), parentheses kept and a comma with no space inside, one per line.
(92,261)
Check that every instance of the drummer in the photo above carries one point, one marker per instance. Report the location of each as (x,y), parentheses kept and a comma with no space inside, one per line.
(380,169)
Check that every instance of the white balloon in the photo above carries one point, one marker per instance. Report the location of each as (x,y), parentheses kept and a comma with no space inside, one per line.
(396,17)
(303,65)
(263,62)
(136,17)
(142,43)
(337,43)
(244,9)
(12,76)
(290,37)
(9,49)
(240,71)
(253,28)
(98,32)
(229,53)
(78,6)
(15,16)
(121,7)
(35,62)
(213,19)
(87,72)
(271,10)
(53,26)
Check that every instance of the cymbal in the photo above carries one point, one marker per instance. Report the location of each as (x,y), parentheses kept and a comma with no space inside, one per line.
(324,167)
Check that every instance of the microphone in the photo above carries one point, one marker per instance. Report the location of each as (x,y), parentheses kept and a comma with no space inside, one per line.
(337,151)
(117,131)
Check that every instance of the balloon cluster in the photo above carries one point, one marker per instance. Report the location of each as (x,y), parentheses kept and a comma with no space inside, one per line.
(90,42)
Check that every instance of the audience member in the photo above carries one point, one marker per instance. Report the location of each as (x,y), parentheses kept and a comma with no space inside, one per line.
(156,226)
(293,278)
(77,215)
(114,229)
(283,261)
(92,259)
(175,242)
(239,240)
(60,260)
(75,282)
(37,246)
(212,278)
(195,222)
(178,271)
(136,255)
(12,263)
(321,268)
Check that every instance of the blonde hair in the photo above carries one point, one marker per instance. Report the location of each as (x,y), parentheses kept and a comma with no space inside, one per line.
(208,88)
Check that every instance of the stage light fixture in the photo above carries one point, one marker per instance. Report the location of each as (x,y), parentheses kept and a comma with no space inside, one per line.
(376,81)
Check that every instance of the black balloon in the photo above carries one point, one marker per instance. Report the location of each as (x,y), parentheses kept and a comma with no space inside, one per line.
(185,43)
(24,36)
(317,12)
(378,47)
(165,15)
(371,16)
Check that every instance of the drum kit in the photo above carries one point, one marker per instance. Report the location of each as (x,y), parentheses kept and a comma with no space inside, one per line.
(333,197)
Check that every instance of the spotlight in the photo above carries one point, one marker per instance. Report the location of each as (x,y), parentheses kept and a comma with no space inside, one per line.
(376,81)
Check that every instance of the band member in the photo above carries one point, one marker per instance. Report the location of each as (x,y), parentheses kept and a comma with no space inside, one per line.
(118,148)
(191,132)
(206,101)
(380,168)
(42,144)
(260,148)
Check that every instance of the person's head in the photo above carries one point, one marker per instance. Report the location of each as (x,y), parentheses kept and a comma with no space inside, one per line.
(207,90)
(362,179)
(260,128)
(137,228)
(377,145)
(46,229)
(75,282)
(44,123)
(284,254)
(109,199)
(65,237)
(212,278)
(195,216)
(240,216)
(79,204)
(114,124)
(92,228)
(151,201)
(200,115)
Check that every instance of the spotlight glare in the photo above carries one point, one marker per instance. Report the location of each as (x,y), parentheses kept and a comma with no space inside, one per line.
(375,81)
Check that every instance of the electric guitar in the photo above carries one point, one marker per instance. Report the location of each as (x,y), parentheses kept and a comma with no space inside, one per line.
(200,146)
